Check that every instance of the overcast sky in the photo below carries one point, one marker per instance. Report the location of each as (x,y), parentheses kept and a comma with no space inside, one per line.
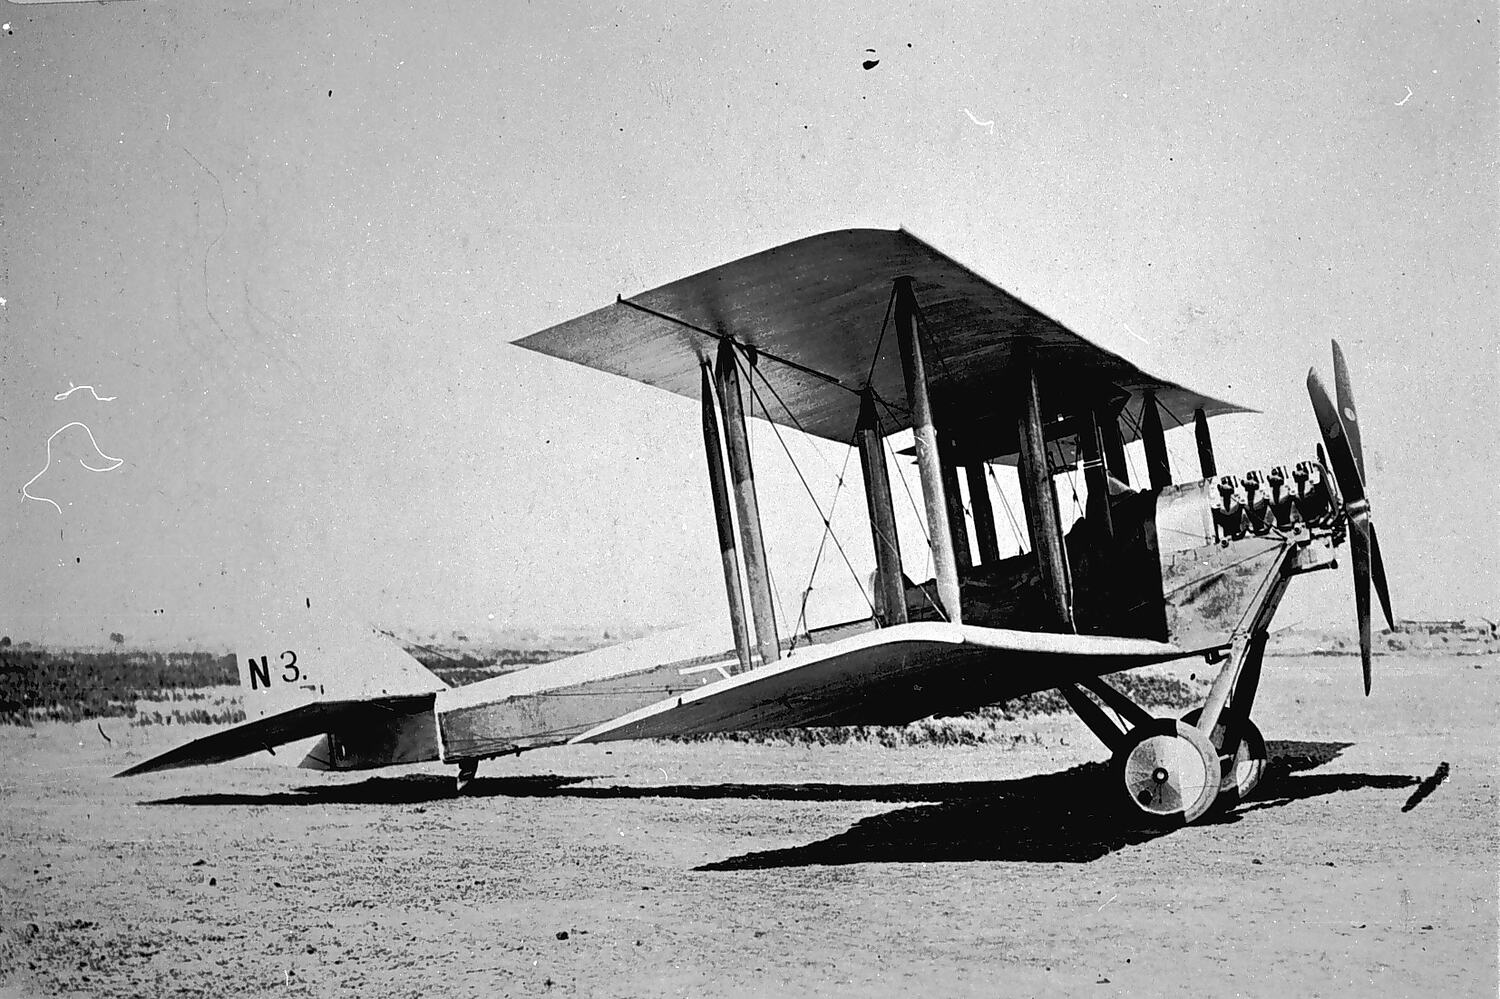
(291,242)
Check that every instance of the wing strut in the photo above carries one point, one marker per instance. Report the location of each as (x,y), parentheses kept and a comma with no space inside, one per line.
(1206,462)
(1036,481)
(890,590)
(757,572)
(729,548)
(984,513)
(1155,440)
(1095,475)
(925,436)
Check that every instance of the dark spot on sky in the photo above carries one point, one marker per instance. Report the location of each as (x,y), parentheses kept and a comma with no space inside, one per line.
(871,63)
(330,93)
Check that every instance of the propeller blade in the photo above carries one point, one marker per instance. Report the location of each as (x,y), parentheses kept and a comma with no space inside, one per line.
(1347,472)
(1359,545)
(1344,391)
(1345,468)
(1378,565)
(1333,487)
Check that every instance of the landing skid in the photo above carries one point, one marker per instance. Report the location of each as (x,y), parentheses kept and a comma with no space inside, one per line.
(467,769)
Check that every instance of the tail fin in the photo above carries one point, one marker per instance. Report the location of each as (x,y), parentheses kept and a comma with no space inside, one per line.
(305,657)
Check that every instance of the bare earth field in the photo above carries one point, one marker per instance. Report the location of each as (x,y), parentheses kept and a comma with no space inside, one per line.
(735,869)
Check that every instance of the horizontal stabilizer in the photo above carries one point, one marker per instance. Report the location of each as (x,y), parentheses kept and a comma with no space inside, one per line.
(289,726)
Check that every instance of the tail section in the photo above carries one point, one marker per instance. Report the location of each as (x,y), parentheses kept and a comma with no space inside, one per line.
(304,658)
(364,701)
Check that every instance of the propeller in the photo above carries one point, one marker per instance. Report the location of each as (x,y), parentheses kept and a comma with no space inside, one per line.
(1340,428)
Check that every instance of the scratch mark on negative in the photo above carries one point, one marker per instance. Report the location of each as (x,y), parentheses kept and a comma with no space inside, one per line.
(26,489)
(1134,333)
(224,208)
(1404,99)
(79,388)
(982,124)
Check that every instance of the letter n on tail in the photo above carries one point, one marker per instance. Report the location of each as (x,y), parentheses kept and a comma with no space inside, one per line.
(260,672)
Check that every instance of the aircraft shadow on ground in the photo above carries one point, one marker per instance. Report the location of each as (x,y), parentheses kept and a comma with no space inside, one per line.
(1064,817)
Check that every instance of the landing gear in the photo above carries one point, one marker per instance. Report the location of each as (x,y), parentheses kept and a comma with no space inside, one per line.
(1168,770)
(1244,769)
(467,769)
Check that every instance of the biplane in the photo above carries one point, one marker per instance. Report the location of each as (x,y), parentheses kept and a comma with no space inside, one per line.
(855,337)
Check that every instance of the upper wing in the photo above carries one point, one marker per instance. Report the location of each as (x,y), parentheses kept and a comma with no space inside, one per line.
(815,311)
(279,729)
(888,677)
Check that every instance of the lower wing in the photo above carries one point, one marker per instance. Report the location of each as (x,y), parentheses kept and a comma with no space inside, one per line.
(887,677)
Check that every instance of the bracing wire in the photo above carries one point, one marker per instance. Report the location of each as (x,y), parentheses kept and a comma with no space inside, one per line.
(875,357)
(906,487)
(1010,515)
(818,558)
(1072,483)
(895,460)
(1163,407)
(827,523)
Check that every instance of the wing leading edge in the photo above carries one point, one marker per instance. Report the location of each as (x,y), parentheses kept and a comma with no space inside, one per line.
(889,677)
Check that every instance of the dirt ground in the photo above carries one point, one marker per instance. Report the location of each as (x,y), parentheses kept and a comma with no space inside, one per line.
(728,869)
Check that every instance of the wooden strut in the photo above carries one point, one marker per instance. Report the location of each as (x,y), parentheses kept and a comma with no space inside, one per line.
(890,585)
(1095,476)
(984,513)
(1114,446)
(1155,441)
(1205,444)
(1036,481)
(925,437)
(729,549)
(954,497)
(1092,715)
(1233,690)
(742,477)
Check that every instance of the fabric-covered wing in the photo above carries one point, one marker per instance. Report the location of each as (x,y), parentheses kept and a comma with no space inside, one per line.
(889,677)
(814,310)
(279,729)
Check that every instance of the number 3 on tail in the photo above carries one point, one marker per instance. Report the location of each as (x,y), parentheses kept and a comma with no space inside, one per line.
(260,672)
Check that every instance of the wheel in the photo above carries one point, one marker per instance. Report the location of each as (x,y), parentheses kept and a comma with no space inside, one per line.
(1169,772)
(1242,772)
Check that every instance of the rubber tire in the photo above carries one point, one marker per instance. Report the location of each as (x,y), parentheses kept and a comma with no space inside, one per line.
(1168,773)
(1243,772)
